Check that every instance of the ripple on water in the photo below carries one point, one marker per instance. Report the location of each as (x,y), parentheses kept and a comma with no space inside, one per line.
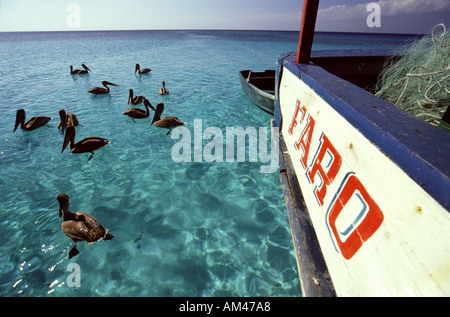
(180,229)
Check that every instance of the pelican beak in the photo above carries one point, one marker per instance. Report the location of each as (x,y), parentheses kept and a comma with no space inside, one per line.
(159,110)
(85,67)
(20,117)
(130,96)
(63,116)
(148,104)
(66,142)
(16,125)
(70,135)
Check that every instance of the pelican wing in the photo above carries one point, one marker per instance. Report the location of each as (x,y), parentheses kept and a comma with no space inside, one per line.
(89,144)
(136,113)
(84,228)
(98,90)
(169,122)
(37,122)
(77,230)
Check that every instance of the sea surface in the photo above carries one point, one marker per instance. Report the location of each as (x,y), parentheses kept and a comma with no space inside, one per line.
(193,228)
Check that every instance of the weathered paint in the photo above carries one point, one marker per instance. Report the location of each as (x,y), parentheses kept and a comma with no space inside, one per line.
(380,230)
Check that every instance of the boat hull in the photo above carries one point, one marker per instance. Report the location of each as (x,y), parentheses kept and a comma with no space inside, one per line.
(260,89)
(366,187)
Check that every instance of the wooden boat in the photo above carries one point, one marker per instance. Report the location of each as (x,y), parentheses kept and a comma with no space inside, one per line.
(259,88)
(366,185)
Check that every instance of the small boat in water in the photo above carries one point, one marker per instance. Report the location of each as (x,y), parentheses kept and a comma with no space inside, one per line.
(259,88)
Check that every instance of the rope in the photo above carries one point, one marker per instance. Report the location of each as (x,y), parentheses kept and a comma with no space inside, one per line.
(419,80)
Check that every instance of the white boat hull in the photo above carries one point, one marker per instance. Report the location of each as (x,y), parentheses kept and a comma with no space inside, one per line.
(380,232)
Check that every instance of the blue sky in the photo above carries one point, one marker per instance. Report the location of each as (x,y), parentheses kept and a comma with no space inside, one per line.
(396,16)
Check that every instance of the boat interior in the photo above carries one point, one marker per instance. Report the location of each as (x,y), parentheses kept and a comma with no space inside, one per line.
(361,68)
(263,80)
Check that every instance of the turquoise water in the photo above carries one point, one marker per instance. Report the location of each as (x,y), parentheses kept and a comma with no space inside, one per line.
(180,229)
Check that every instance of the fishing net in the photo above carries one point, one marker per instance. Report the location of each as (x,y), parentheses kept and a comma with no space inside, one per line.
(417,78)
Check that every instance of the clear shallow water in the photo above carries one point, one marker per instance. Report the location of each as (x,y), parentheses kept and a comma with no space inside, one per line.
(181,229)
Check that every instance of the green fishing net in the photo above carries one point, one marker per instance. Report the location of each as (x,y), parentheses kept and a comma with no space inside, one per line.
(417,78)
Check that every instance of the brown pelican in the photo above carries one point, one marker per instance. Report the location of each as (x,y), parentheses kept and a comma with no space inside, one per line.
(32,124)
(86,70)
(163,90)
(136,113)
(80,226)
(134,100)
(67,120)
(86,145)
(141,71)
(167,122)
(100,90)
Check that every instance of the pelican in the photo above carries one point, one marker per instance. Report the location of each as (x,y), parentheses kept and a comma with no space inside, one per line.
(141,71)
(134,100)
(100,90)
(136,113)
(167,122)
(163,90)
(80,226)
(32,124)
(67,120)
(86,145)
(86,70)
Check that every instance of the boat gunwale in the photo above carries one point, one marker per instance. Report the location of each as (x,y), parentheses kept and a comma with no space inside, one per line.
(417,147)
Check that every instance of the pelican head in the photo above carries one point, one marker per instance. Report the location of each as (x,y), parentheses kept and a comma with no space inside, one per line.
(138,68)
(86,68)
(158,112)
(63,201)
(63,116)
(130,95)
(105,83)
(20,118)
(69,137)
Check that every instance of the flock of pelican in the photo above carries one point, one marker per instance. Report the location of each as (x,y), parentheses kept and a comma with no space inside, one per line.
(81,226)
(69,122)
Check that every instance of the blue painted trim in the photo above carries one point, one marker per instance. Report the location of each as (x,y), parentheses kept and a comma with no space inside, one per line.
(420,149)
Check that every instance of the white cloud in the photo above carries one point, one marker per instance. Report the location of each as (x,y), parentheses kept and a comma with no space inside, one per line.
(388,8)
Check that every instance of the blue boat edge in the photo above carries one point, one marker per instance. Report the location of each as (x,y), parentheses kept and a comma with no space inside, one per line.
(417,147)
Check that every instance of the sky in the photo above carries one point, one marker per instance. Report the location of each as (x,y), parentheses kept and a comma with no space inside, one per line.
(393,16)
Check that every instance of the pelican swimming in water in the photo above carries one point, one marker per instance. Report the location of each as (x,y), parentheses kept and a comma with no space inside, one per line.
(32,124)
(86,145)
(167,122)
(100,90)
(86,70)
(141,71)
(134,100)
(80,226)
(163,91)
(137,113)
(67,120)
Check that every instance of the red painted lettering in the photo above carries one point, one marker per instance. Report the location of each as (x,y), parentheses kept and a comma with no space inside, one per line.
(305,141)
(367,221)
(294,119)
(317,168)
